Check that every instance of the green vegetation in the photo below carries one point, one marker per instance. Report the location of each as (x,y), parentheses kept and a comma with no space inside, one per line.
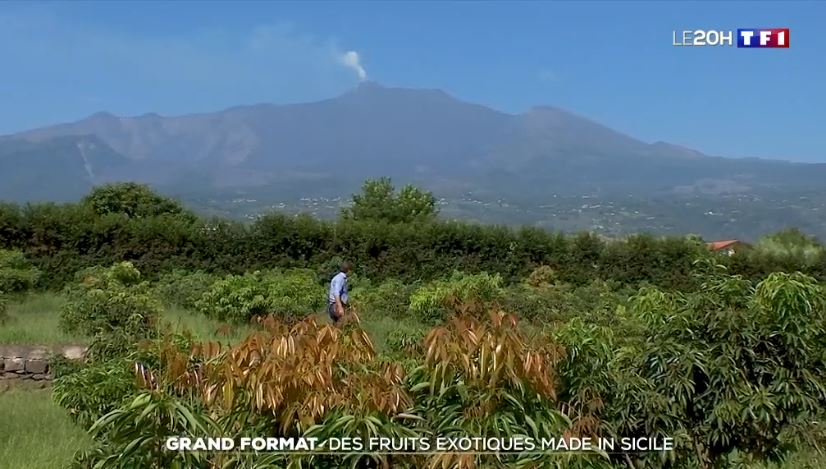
(240,298)
(184,321)
(732,371)
(61,240)
(36,433)
(34,319)
(379,201)
(461,293)
(113,307)
(182,288)
(16,274)
(524,333)
(791,245)
(131,200)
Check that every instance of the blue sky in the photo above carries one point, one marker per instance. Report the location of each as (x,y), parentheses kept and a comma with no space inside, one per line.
(613,62)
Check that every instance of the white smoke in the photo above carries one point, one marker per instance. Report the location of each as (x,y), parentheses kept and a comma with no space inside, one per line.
(351,60)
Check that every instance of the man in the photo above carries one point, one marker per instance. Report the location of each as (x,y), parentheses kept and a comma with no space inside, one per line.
(338,298)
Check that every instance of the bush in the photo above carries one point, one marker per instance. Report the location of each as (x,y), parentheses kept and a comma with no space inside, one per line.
(790,243)
(60,366)
(732,368)
(326,383)
(16,274)
(236,297)
(294,293)
(132,200)
(289,294)
(461,293)
(184,288)
(483,378)
(407,341)
(127,222)
(595,301)
(91,391)
(389,299)
(542,276)
(529,304)
(111,305)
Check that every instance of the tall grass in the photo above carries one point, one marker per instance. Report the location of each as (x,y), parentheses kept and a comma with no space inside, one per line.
(202,327)
(34,319)
(35,433)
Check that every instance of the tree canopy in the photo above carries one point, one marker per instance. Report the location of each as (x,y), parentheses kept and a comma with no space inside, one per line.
(134,200)
(379,200)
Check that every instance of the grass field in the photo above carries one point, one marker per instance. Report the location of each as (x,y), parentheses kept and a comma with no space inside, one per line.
(35,320)
(35,433)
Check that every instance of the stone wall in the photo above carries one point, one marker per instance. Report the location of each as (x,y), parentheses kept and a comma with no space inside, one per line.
(32,362)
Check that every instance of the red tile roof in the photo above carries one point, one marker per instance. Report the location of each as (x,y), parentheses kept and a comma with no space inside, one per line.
(718,245)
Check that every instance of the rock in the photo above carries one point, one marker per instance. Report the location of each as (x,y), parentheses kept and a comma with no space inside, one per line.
(37,366)
(10,351)
(10,376)
(74,352)
(38,354)
(13,364)
(38,377)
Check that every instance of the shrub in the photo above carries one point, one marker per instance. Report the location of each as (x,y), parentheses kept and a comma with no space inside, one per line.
(91,391)
(595,301)
(236,297)
(730,369)
(184,288)
(60,366)
(388,299)
(407,341)
(288,294)
(461,293)
(324,381)
(132,200)
(113,306)
(16,274)
(326,270)
(483,378)
(294,293)
(791,244)
(542,276)
(532,305)
(128,223)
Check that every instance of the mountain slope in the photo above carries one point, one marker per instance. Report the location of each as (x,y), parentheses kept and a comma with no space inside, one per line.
(411,135)
(61,168)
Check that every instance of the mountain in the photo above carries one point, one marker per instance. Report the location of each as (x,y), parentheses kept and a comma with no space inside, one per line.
(413,135)
(62,167)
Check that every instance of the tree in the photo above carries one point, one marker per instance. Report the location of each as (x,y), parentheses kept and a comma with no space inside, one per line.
(378,200)
(134,200)
(791,244)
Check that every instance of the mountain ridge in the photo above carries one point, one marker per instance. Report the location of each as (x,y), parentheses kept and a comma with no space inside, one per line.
(424,136)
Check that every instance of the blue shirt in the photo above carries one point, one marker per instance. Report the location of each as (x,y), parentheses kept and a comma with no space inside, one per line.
(338,288)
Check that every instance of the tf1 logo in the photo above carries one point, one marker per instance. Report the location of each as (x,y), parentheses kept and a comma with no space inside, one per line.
(754,38)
